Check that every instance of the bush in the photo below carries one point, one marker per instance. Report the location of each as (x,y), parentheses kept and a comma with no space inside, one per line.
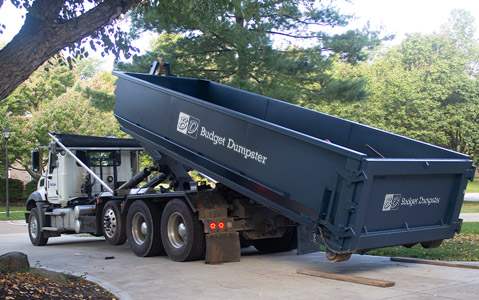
(15,189)
(30,187)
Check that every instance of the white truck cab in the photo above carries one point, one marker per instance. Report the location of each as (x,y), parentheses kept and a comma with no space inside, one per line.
(112,160)
(64,179)
(80,170)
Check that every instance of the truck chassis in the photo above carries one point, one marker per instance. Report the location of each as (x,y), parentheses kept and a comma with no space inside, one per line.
(184,219)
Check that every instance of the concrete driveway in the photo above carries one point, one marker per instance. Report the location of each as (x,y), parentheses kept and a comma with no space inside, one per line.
(255,277)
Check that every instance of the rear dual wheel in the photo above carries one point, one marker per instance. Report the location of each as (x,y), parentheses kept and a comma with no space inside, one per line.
(431,244)
(182,233)
(174,230)
(143,229)
(288,241)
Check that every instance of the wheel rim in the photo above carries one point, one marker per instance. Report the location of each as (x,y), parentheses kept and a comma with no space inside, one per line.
(139,228)
(109,223)
(34,227)
(176,230)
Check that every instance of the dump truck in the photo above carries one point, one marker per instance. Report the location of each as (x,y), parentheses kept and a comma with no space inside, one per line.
(279,177)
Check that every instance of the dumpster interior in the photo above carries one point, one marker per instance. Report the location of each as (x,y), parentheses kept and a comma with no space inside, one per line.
(372,142)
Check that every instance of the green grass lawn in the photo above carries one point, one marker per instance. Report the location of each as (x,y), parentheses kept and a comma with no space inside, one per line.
(470,207)
(16,213)
(464,247)
(473,187)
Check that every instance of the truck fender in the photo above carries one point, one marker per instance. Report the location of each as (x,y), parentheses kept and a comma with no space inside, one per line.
(32,199)
(129,201)
(35,200)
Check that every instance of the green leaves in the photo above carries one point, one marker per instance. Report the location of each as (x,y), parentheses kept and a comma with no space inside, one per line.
(232,42)
(51,80)
(78,100)
(425,88)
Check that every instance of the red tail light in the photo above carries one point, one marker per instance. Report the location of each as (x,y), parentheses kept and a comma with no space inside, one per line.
(213,225)
(221,225)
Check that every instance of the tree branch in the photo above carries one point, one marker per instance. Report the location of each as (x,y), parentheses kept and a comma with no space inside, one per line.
(44,34)
(255,79)
(206,52)
(294,36)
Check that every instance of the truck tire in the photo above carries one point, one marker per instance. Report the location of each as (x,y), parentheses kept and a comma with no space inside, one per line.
(431,244)
(288,241)
(143,229)
(37,237)
(114,227)
(182,233)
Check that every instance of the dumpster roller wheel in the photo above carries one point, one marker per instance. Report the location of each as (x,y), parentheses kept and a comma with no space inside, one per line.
(337,257)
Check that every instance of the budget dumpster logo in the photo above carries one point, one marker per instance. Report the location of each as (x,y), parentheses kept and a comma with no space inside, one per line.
(188,125)
(391,202)
(394,201)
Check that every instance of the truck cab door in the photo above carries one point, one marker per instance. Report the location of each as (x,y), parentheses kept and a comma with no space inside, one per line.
(52,178)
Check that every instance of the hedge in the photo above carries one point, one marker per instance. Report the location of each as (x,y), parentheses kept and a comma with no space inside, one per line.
(30,187)
(15,189)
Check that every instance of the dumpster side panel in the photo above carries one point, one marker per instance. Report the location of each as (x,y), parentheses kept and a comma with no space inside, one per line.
(315,124)
(309,122)
(144,111)
(296,168)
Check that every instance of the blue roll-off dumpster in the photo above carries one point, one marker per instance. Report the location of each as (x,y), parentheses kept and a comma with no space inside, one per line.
(345,184)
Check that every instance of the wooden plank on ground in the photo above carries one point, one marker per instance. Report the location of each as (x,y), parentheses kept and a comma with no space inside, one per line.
(348,278)
(435,262)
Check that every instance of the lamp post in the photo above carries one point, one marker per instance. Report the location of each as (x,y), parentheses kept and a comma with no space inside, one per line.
(6,134)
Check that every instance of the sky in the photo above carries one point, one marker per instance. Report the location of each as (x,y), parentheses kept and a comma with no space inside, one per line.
(408,16)
(395,16)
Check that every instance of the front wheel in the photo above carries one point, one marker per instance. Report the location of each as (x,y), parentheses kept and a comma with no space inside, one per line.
(143,229)
(182,233)
(37,237)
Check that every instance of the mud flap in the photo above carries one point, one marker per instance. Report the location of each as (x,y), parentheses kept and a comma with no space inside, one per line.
(222,247)
(305,241)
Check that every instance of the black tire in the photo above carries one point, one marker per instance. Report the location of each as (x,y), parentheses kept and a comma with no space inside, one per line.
(182,233)
(114,223)
(431,244)
(143,229)
(287,242)
(37,237)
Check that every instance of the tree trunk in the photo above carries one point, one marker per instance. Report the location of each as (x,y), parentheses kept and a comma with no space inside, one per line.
(45,34)
(242,48)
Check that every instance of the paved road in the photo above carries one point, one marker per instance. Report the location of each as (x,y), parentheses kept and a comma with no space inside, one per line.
(469,217)
(255,277)
(471,197)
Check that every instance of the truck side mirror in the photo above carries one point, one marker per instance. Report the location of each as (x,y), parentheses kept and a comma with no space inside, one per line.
(35,160)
